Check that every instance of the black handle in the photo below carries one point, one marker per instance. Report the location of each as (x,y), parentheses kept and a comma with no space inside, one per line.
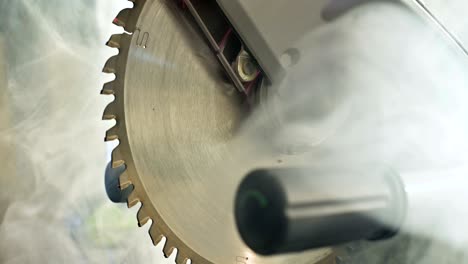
(292,209)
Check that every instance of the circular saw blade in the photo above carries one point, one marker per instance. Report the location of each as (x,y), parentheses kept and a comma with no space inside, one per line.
(176,119)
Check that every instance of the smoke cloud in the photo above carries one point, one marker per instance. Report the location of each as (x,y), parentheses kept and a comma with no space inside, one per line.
(380,85)
(376,85)
(53,207)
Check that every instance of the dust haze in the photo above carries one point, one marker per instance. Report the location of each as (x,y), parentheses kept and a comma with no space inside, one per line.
(53,202)
(380,85)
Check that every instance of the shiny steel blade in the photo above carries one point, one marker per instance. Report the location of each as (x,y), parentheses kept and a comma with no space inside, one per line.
(176,120)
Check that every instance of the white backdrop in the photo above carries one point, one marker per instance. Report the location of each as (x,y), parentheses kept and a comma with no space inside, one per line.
(52,148)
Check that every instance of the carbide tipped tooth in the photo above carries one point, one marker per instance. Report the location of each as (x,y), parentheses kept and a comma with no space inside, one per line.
(108,88)
(128,17)
(124,181)
(117,159)
(114,41)
(168,248)
(112,134)
(111,65)
(142,216)
(122,17)
(132,200)
(155,233)
(109,111)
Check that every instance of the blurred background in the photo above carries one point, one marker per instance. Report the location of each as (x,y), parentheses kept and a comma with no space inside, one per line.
(53,205)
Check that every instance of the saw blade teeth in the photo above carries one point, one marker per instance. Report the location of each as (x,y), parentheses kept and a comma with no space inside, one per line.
(111,65)
(155,233)
(168,248)
(108,88)
(124,180)
(114,41)
(117,159)
(132,200)
(112,134)
(159,230)
(142,216)
(122,17)
(109,111)
(127,19)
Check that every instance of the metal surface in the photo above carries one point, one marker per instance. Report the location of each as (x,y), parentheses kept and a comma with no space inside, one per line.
(245,66)
(271,28)
(176,120)
(271,34)
(284,210)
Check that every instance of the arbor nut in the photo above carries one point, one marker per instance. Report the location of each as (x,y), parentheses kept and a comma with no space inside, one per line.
(245,67)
